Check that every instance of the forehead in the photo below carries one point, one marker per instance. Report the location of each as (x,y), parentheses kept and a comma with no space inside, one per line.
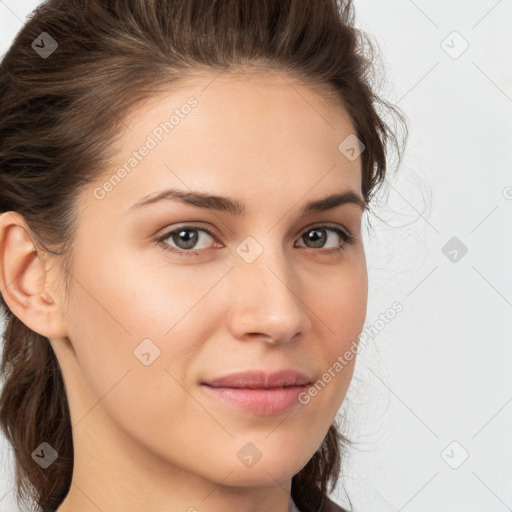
(230,132)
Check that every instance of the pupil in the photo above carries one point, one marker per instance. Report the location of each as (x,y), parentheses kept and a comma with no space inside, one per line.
(318,241)
(189,240)
(188,237)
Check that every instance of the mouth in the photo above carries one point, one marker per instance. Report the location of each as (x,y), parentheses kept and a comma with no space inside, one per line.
(261,401)
(269,388)
(258,391)
(258,379)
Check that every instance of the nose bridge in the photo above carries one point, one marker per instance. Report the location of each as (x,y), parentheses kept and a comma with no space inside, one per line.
(267,300)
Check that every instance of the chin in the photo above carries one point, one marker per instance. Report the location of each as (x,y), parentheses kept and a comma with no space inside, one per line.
(261,475)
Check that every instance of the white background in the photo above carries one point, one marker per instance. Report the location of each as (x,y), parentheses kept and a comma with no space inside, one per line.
(440,372)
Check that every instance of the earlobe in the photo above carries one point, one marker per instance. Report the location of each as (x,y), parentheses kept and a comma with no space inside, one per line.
(47,298)
(23,277)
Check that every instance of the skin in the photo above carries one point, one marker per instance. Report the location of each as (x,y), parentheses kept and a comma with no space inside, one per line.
(148,437)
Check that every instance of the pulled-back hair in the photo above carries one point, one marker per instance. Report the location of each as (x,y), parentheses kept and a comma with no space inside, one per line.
(61,112)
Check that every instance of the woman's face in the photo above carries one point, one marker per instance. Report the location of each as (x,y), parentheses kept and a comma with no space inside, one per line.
(148,322)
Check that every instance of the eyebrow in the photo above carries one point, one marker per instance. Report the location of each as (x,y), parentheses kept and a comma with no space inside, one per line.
(234,207)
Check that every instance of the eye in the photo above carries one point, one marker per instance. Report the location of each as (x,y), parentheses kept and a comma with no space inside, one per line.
(317,237)
(186,238)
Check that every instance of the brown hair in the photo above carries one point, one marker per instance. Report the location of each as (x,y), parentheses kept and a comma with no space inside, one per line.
(60,113)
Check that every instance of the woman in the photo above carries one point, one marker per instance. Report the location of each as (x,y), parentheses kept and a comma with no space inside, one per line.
(182,188)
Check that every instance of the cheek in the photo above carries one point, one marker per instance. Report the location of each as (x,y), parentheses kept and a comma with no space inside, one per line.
(119,313)
(341,301)
(118,321)
(343,308)
(338,304)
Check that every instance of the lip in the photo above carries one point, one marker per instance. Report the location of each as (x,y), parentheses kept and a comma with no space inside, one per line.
(260,392)
(258,379)
(259,401)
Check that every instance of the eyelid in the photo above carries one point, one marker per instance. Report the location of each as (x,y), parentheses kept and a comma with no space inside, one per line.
(215,234)
(345,234)
(332,225)
(188,225)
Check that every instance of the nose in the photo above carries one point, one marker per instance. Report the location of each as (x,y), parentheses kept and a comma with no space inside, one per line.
(267,301)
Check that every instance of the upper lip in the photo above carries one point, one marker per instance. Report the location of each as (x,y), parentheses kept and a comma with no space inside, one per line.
(257,379)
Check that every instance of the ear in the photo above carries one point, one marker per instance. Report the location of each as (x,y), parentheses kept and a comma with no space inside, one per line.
(23,277)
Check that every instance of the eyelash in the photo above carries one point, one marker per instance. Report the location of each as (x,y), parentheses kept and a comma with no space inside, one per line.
(347,238)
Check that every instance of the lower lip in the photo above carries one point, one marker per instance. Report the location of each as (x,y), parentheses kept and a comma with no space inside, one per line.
(260,401)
